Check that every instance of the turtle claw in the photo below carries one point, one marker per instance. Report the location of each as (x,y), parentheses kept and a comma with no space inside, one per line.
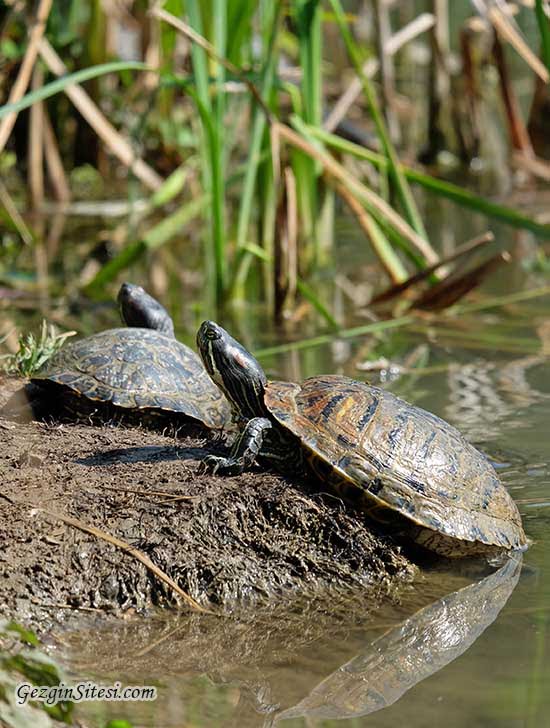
(215,465)
(210,464)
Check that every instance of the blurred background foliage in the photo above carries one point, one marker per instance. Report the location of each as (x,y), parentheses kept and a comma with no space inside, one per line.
(217,143)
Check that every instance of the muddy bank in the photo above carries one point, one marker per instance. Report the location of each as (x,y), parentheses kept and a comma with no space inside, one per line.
(225,541)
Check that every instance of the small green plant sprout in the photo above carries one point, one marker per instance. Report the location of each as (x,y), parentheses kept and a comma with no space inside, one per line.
(33,352)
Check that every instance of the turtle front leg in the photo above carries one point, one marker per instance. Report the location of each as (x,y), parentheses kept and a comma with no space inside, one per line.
(245,450)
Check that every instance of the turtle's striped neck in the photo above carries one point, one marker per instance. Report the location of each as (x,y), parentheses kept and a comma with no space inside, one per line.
(234,370)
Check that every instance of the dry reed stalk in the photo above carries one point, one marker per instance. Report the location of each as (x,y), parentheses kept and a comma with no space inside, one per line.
(13,212)
(36,143)
(464,249)
(117,143)
(41,265)
(441,35)
(419,25)
(54,165)
(367,224)
(471,145)
(286,248)
(440,104)
(501,23)
(55,233)
(25,71)
(516,126)
(387,70)
(292,235)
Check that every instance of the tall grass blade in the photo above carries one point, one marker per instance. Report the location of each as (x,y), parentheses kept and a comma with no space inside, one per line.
(219,143)
(50,89)
(240,15)
(394,168)
(439,187)
(352,333)
(210,153)
(258,129)
(308,24)
(544,30)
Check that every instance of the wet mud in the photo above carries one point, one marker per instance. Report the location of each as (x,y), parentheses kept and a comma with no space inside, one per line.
(227,542)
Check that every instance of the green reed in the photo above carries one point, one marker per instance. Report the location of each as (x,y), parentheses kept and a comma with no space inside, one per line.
(233,101)
(544,29)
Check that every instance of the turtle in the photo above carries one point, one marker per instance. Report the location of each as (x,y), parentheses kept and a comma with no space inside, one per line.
(139,309)
(141,372)
(400,464)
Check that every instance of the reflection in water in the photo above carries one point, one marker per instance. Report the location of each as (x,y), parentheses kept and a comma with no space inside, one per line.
(409,653)
(483,395)
(255,669)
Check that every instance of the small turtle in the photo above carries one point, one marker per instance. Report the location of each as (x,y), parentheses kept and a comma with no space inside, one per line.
(400,464)
(141,371)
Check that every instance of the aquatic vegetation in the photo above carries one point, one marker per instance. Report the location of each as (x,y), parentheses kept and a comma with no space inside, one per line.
(232,117)
(34,351)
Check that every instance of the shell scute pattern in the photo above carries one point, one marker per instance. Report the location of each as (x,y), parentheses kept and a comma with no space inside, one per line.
(402,457)
(142,369)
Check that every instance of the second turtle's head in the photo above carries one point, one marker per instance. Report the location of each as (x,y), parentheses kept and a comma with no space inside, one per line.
(233,369)
(138,308)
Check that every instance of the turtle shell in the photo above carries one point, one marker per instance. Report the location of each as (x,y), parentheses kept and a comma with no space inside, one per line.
(138,369)
(396,458)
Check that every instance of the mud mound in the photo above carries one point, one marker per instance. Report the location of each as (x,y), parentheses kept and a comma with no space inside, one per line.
(225,541)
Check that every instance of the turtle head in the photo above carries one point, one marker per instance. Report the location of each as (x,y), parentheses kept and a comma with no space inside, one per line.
(138,308)
(233,369)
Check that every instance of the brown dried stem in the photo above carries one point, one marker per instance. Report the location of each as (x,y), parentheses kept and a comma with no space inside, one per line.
(118,144)
(518,131)
(23,77)
(36,144)
(468,247)
(114,541)
(285,252)
(54,165)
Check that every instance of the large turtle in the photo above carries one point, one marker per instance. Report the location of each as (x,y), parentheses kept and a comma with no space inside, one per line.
(141,370)
(401,464)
